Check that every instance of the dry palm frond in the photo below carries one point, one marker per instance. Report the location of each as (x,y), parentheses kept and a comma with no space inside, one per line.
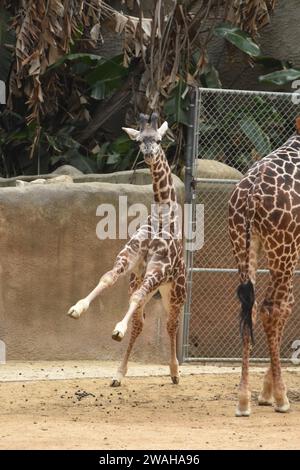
(166,42)
(163,46)
(44,33)
(171,41)
(129,3)
(251,15)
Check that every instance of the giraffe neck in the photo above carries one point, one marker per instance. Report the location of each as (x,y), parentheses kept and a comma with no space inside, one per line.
(163,188)
(165,216)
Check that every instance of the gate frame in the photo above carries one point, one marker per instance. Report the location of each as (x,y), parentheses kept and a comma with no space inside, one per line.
(191,153)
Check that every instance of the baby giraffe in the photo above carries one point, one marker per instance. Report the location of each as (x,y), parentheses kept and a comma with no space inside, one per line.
(153,256)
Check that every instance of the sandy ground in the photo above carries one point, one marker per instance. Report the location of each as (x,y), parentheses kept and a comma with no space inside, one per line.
(61,406)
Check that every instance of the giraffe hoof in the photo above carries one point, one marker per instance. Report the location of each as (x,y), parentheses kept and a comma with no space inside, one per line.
(265,401)
(117,335)
(115,383)
(239,413)
(175,380)
(78,309)
(282,408)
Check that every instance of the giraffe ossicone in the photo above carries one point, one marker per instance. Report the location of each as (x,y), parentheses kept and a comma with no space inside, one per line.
(264,214)
(153,255)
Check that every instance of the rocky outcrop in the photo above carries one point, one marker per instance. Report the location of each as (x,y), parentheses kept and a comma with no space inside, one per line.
(215,170)
(67,170)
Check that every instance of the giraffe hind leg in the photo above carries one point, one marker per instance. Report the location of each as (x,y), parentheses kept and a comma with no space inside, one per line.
(275,310)
(266,396)
(137,326)
(274,317)
(246,293)
(139,298)
(145,289)
(173,297)
(273,382)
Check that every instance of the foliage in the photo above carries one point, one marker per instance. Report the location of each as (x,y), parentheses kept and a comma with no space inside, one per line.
(239,134)
(238,38)
(63,96)
(281,77)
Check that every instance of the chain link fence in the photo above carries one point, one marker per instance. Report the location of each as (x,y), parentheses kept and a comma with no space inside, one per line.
(234,128)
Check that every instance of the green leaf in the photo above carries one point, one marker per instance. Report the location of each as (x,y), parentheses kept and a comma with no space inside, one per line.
(176,106)
(104,88)
(281,77)
(100,157)
(127,161)
(121,145)
(211,77)
(80,56)
(239,38)
(256,135)
(106,77)
(113,158)
(107,70)
(98,91)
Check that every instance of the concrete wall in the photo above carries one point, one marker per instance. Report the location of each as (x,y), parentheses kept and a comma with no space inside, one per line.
(50,257)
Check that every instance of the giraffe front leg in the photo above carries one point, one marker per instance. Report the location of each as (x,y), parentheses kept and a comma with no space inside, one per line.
(173,297)
(80,307)
(270,319)
(266,396)
(172,327)
(108,279)
(125,260)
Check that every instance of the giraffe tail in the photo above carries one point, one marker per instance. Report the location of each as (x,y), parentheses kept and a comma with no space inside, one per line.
(246,295)
(245,291)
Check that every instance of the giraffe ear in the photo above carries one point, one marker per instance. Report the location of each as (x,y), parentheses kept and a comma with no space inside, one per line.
(298,124)
(133,133)
(163,129)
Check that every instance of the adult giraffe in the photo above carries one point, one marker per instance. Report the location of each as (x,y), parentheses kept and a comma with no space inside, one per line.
(154,254)
(264,212)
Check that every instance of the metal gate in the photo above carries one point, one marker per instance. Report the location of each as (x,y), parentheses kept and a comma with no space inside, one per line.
(234,128)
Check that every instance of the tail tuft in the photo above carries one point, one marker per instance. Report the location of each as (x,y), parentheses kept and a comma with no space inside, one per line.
(246,295)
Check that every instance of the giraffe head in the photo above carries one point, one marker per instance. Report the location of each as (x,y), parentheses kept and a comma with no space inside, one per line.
(149,136)
(298,125)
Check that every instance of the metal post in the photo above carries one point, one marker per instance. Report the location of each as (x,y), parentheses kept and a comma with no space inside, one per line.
(190,155)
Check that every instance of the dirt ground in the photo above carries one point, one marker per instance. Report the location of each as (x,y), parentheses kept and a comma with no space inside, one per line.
(145,413)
